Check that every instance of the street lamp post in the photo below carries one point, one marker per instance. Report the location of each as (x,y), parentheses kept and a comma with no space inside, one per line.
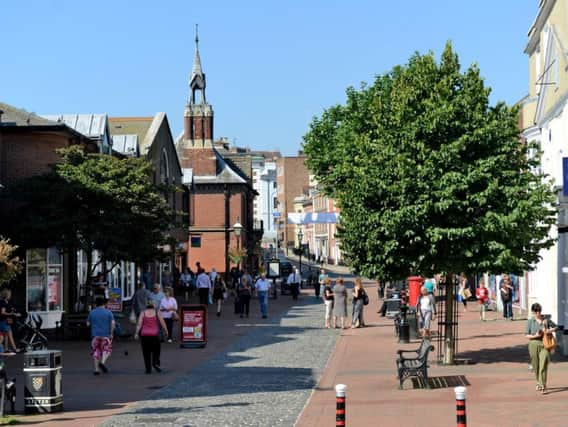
(300,237)
(238,227)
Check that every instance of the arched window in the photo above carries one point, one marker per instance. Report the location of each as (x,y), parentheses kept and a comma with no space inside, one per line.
(164,168)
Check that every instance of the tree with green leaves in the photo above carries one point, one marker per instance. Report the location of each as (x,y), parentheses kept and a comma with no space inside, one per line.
(430,178)
(94,202)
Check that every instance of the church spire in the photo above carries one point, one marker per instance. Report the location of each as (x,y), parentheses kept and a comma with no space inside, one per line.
(197,79)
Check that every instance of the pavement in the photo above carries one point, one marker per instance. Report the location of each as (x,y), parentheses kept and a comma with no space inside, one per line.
(282,372)
(90,400)
(500,387)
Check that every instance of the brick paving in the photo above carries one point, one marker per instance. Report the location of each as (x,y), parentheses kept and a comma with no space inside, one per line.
(501,388)
(90,400)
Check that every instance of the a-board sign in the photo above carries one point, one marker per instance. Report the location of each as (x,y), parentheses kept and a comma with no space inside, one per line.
(273,269)
(193,323)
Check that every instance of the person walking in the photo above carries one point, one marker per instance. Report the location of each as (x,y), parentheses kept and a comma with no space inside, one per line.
(328,299)
(203,287)
(321,283)
(262,287)
(156,295)
(506,291)
(426,309)
(244,293)
(168,310)
(294,280)
(219,293)
(463,291)
(340,302)
(102,324)
(140,299)
(7,318)
(537,326)
(482,295)
(186,281)
(358,298)
(148,330)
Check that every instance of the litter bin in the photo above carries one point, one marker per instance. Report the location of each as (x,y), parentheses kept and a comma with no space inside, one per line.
(412,320)
(403,326)
(42,380)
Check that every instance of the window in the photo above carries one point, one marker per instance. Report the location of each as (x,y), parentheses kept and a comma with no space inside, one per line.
(44,279)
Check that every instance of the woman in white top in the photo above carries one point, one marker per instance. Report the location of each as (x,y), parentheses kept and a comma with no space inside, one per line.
(426,309)
(168,310)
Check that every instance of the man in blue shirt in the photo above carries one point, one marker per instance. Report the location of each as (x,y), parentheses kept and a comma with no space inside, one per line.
(102,326)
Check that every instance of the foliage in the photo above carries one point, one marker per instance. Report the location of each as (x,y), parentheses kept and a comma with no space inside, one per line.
(95,201)
(10,264)
(429,177)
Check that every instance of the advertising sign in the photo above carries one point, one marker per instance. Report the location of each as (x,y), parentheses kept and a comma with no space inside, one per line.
(114,302)
(273,269)
(193,326)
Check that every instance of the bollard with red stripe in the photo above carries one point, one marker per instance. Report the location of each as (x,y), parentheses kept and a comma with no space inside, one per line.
(460,406)
(340,405)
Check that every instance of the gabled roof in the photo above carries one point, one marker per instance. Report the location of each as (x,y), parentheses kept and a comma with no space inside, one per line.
(225,174)
(145,129)
(131,126)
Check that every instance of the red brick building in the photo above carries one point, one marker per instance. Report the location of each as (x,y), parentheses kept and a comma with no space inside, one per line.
(292,180)
(27,148)
(220,194)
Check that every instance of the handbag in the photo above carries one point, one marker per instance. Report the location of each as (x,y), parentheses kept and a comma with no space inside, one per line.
(467,293)
(132,317)
(549,341)
(175,316)
(365,298)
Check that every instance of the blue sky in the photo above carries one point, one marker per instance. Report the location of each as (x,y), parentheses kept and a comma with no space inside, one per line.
(270,65)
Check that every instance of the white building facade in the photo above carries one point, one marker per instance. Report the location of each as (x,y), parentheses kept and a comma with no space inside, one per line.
(544,119)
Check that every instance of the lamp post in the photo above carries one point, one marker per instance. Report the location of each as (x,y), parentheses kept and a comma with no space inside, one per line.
(300,237)
(238,227)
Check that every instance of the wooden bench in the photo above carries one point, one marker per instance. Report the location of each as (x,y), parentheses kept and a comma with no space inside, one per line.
(73,325)
(414,366)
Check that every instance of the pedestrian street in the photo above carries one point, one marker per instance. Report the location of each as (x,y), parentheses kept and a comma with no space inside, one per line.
(263,379)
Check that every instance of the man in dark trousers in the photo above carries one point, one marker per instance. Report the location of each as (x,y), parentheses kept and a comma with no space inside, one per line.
(294,280)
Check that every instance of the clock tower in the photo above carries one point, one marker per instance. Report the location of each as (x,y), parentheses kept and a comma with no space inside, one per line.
(196,147)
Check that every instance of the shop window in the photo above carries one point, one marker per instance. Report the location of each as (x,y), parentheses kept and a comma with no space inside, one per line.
(44,279)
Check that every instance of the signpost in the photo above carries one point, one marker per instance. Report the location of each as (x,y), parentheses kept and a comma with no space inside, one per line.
(193,326)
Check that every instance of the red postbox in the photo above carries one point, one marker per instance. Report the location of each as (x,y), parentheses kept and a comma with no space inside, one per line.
(414,285)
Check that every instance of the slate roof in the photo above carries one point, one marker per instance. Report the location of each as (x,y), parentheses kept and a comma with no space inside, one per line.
(17,117)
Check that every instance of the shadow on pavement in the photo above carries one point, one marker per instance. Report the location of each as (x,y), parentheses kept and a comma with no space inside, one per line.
(518,354)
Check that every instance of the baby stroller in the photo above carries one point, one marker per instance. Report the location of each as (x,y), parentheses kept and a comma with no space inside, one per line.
(31,337)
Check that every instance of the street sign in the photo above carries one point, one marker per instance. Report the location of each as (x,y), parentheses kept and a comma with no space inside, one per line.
(276,214)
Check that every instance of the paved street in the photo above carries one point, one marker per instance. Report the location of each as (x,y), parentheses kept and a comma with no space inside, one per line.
(262,379)
(500,387)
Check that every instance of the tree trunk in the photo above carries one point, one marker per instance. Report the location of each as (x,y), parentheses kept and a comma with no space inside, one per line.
(449,338)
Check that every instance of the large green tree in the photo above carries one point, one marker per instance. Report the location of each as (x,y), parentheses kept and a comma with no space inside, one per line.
(94,202)
(430,178)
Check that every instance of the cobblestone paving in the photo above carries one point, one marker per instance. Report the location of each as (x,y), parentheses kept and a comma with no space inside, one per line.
(263,379)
